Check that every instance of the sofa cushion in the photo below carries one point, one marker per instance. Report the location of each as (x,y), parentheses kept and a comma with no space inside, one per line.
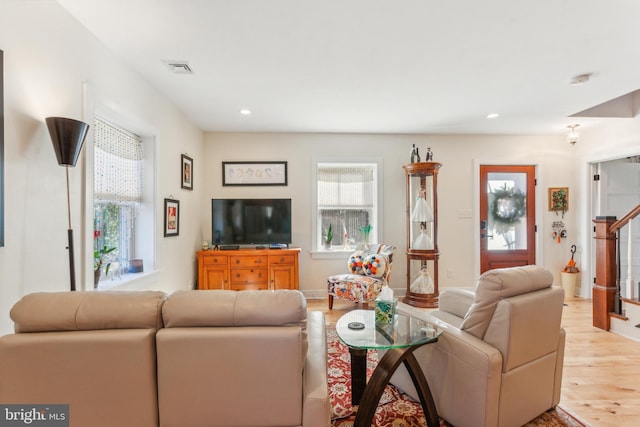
(241,376)
(83,311)
(232,308)
(495,285)
(108,377)
(355,263)
(355,287)
(375,265)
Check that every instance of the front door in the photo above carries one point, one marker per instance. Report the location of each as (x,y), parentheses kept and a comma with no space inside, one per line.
(507,216)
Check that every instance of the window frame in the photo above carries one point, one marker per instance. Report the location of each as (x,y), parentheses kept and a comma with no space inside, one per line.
(316,234)
(145,235)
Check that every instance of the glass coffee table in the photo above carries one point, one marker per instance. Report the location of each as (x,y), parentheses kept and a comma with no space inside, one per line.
(358,330)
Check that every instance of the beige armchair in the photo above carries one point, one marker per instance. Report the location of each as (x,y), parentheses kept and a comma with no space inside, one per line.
(499,360)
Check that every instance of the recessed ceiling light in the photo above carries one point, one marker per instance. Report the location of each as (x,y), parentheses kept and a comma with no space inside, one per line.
(245,112)
(493,115)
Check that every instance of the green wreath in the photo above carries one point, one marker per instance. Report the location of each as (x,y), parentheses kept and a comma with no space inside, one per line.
(507,206)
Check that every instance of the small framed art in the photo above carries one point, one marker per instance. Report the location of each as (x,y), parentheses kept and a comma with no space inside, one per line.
(559,199)
(254,173)
(186,172)
(171,217)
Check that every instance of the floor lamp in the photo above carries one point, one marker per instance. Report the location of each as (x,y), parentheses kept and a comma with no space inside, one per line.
(68,137)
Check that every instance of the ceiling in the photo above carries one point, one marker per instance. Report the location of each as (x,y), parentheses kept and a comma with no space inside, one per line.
(378,66)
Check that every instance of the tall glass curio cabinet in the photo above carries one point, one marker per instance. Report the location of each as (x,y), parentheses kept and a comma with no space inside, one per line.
(422,234)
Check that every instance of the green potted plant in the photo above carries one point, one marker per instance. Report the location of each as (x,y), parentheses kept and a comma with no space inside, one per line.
(365,230)
(328,237)
(98,261)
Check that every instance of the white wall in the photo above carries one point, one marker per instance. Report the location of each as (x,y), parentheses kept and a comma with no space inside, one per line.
(457,189)
(48,59)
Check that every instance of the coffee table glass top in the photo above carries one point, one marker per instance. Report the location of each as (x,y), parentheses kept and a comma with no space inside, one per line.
(405,331)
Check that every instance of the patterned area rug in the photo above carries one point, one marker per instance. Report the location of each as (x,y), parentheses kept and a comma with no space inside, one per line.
(396,409)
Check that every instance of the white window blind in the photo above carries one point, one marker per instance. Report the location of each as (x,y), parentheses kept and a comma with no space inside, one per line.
(340,185)
(119,159)
(346,199)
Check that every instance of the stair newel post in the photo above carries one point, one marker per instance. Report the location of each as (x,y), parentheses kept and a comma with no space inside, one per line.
(617,302)
(604,290)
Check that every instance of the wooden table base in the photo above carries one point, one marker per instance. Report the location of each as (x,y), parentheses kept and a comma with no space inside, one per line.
(358,374)
(368,400)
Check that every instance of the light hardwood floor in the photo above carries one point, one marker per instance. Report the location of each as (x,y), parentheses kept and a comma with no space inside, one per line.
(601,378)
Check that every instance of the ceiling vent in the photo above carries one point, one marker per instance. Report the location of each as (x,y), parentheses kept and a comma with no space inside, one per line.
(179,67)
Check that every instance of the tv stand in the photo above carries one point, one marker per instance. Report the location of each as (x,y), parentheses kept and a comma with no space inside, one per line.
(244,269)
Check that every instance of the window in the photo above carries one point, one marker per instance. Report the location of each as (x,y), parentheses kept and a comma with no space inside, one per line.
(347,199)
(118,192)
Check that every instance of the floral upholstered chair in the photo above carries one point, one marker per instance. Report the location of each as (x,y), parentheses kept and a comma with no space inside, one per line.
(368,272)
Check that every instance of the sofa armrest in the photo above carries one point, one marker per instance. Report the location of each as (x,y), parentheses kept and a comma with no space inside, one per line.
(316,408)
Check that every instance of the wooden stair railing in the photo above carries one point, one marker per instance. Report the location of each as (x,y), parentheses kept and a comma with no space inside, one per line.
(606,290)
(617,225)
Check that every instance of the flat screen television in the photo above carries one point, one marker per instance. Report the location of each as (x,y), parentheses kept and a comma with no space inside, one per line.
(251,221)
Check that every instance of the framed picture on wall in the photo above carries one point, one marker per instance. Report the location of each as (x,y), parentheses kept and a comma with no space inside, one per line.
(254,173)
(171,217)
(559,199)
(186,172)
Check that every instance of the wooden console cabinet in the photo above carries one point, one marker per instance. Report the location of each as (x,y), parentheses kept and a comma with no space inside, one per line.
(245,269)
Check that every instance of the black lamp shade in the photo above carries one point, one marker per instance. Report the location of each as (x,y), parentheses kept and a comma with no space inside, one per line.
(68,137)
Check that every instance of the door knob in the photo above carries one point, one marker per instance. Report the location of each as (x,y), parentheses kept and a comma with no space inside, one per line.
(483,228)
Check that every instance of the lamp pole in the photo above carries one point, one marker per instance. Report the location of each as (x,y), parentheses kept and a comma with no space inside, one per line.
(72,267)
(67,136)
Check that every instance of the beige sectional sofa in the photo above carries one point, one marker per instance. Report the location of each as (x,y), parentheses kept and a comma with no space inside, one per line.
(193,358)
